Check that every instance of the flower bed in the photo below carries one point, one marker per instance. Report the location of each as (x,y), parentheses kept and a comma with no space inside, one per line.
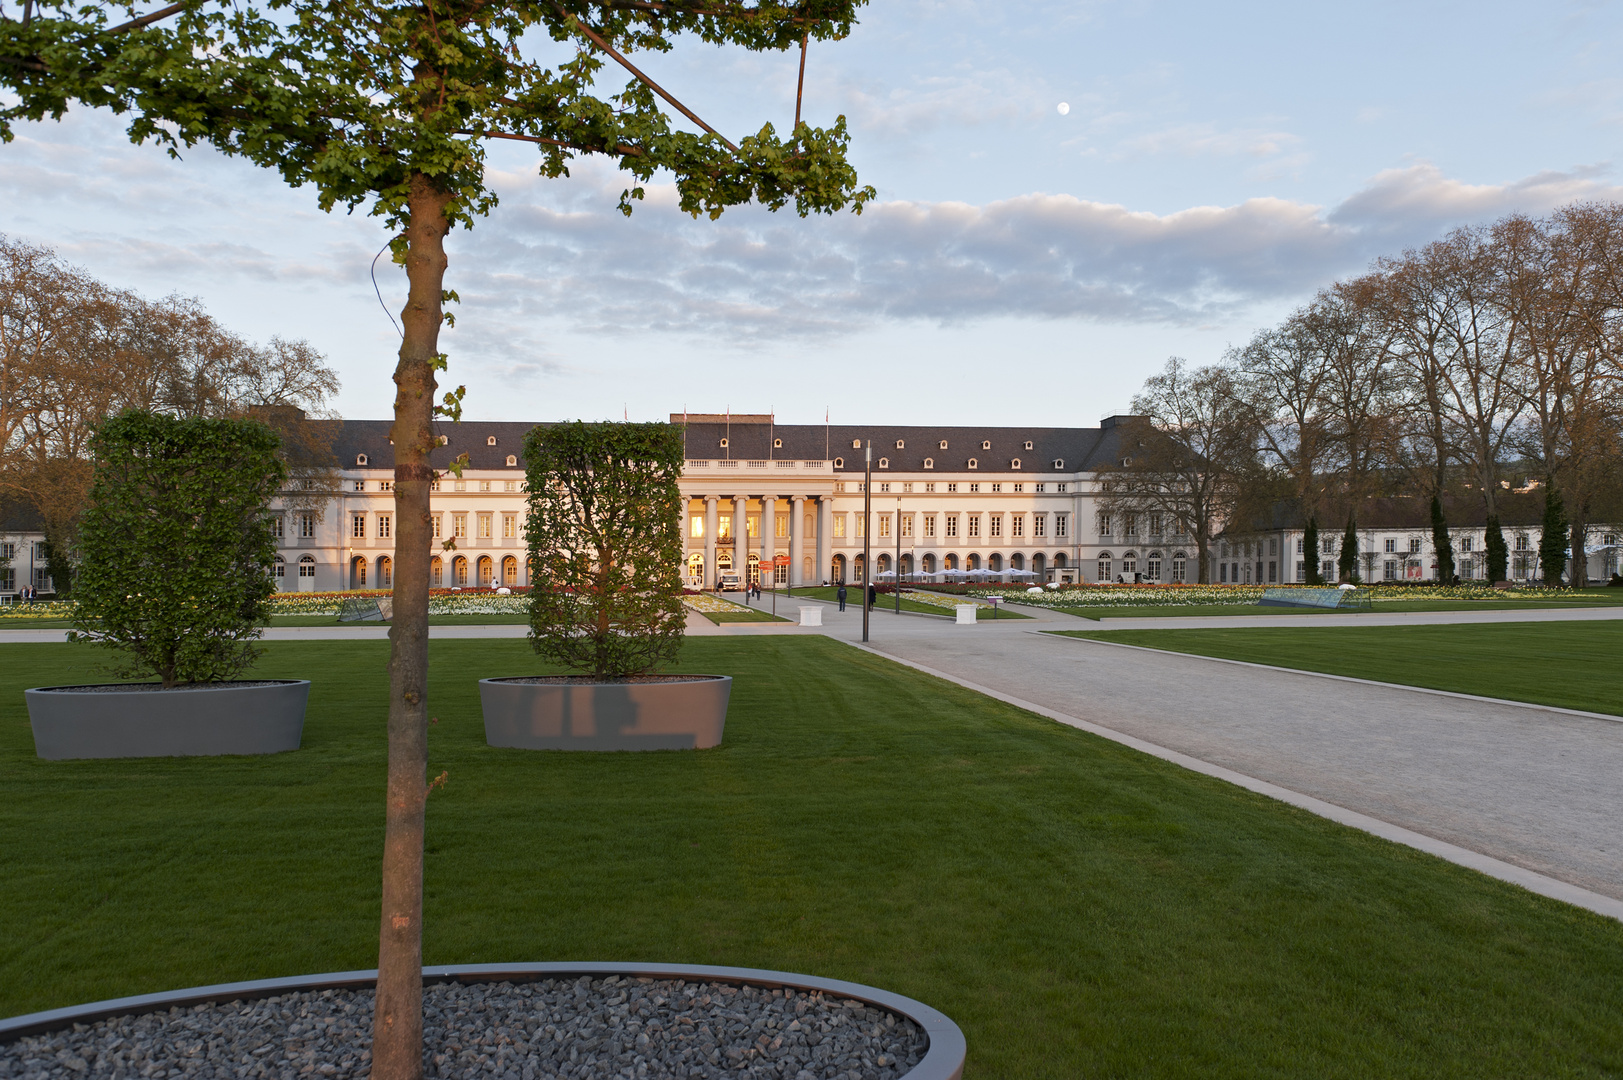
(1114,596)
(40,609)
(714,604)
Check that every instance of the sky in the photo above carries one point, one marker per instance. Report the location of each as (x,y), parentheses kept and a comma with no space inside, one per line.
(1215,166)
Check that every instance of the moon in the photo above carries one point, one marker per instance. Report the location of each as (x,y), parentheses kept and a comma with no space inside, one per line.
(1064,107)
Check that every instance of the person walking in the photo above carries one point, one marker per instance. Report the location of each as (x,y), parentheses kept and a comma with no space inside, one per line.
(840,592)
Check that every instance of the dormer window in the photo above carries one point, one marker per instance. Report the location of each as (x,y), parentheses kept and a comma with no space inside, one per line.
(360,459)
(490,440)
(943,444)
(1015,464)
(777,444)
(986,444)
(929,463)
(724,444)
(839,463)
(856,444)
(1059,463)
(901,444)
(1028,444)
(512,460)
(445,440)
(884,463)
(973,464)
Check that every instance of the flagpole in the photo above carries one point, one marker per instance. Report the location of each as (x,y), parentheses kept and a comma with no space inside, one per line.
(867,532)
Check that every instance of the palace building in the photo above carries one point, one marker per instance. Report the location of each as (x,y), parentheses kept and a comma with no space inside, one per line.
(774,503)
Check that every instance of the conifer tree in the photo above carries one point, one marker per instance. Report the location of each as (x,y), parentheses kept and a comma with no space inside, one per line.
(1554,538)
(1441,543)
(1310,551)
(1347,564)
(1495,551)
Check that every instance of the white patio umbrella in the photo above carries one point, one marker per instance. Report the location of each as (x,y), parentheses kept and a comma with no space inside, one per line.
(1021,573)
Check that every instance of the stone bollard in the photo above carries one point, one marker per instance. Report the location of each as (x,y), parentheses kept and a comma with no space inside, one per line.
(811,615)
(966,614)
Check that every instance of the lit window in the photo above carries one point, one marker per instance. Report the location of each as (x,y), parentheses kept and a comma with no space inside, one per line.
(929,489)
(752,526)
(995,525)
(484,526)
(974,524)
(884,525)
(1039,525)
(952,525)
(307,567)
(856,444)
(1017,525)
(460,485)
(459,526)
(357,526)
(510,485)
(510,526)
(696,526)
(385,526)
(839,525)
(907,524)
(780,525)
(861,524)
(929,525)
(484,485)
(435,520)
(307,526)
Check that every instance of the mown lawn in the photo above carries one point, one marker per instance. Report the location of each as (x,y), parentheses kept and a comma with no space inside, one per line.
(887,602)
(1081,910)
(1588,598)
(1572,665)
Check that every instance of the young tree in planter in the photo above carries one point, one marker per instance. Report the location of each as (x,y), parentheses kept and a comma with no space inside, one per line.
(1347,561)
(605,539)
(177,547)
(1441,543)
(1554,538)
(390,105)
(1310,551)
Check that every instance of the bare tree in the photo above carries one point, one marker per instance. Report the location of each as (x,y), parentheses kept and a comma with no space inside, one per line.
(1184,454)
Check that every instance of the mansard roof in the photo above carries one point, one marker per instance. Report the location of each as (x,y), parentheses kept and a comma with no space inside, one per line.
(1077,449)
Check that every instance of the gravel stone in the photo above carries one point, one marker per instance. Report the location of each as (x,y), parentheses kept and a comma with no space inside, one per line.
(553,1029)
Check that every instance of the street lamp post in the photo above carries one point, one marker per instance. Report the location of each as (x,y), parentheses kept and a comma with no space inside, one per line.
(898,567)
(867,532)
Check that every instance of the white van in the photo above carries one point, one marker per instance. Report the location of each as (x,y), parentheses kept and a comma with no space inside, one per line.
(730,583)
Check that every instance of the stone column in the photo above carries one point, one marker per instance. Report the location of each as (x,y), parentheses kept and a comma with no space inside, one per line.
(825,513)
(710,541)
(741,538)
(797,549)
(769,539)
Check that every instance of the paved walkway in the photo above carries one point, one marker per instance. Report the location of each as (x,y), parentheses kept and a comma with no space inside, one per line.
(1536,788)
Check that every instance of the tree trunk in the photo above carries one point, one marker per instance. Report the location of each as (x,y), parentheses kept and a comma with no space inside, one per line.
(397,1039)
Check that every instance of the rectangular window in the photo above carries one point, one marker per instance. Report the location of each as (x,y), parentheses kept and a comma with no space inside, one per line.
(8,550)
(724,527)
(1273,545)
(952,525)
(907,488)
(275,524)
(484,526)
(696,526)
(996,488)
(884,524)
(1521,542)
(358,485)
(1039,524)
(1018,488)
(1017,524)
(929,526)
(1391,569)
(307,526)
(1328,570)
(1273,572)
(1391,544)
(780,527)
(484,485)
(1060,488)
(839,526)
(1299,543)
(460,485)
(1328,546)
(1130,522)
(907,524)
(752,525)
(1414,545)
(1301,570)
(8,579)
(1465,544)
(929,488)
(952,487)
(509,526)
(434,484)
(385,485)
(357,526)
(1060,523)
(995,523)
(1040,488)
(1155,524)
(973,488)
(459,526)
(435,519)
(1104,525)
(510,485)
(385,526)
(885,488)
(974,524)
(861,524)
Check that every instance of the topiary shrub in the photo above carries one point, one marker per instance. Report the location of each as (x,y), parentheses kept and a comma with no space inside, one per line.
(605,546)
(176,547)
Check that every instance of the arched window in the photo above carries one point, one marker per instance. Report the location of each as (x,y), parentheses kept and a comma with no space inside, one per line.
(943,444)
(436,572)
(1015,464)
(490,440)
(724,562)
(357,572)
(884,562)
(836,569)
(973,464)
(973,562)
(839,463)
(950,562)
(856,444)
(907,565)
(1152,566)
(929,463)
(1028,444)
(1129,563)
(929,564)
(1017,561)
(724,444)
(1180,568)
(901,445)
(487,570)
(1104,566)
(278,569)
(512,459)
(884,463)
(753,564)
(307,567)
(780,569)
(510,571)
(459,571)
(858,566)
(360,459)
(696,569)
(1059,463)
(385,572)
(994,563)
(1059,559)
(777,444)
(986,444)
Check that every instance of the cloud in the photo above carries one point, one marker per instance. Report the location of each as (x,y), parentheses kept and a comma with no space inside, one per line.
(1207,140)
(753,275)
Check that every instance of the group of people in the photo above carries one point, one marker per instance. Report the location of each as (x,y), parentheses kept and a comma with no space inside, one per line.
(27,595)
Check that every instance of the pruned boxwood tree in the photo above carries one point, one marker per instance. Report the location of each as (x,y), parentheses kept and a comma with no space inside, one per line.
(389,104)
(1440,542)
(605,539)
(1310,551)
(177,548)
(1496,553)
(1347,561)
(1554,538)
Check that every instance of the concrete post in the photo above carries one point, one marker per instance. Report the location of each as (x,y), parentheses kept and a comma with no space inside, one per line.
(769,539)
(741,538)
(825,515)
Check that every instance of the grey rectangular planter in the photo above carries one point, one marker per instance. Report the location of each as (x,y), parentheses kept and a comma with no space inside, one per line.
(260,717)
(540,714)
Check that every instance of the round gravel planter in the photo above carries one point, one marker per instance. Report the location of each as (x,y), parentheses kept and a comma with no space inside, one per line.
(207,719)
(686,712)
(606,1020)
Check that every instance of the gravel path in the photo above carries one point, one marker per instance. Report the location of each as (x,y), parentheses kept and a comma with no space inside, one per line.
(568,1029)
